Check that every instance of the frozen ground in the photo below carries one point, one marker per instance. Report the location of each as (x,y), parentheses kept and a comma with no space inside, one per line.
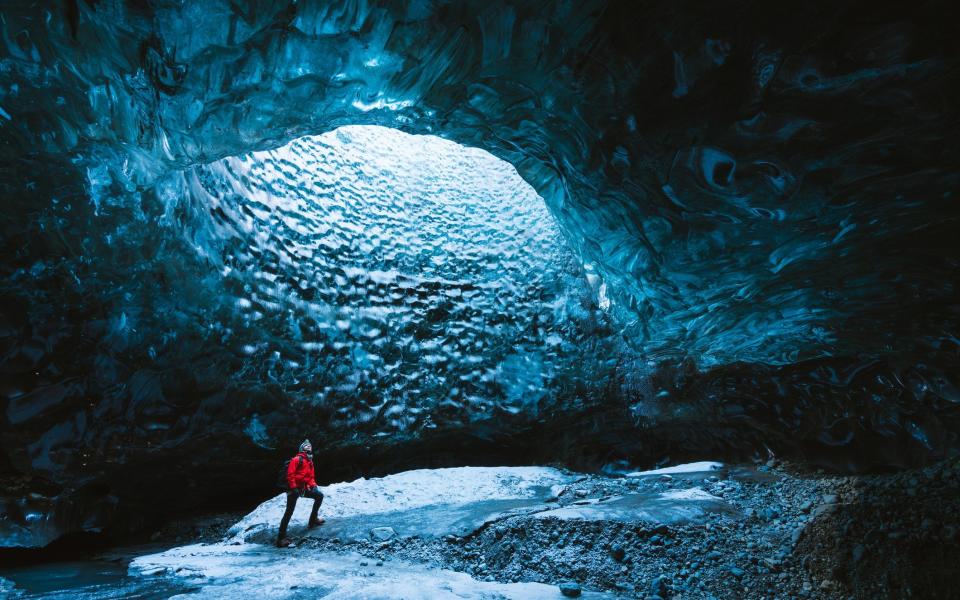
(696,467)
(434,503)
(671,507)
(705,531)
(247,570)
(510,532)
(423,502)
(91,578)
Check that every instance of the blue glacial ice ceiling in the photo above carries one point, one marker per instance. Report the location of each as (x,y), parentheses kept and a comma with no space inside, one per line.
(396,281)
(746,219)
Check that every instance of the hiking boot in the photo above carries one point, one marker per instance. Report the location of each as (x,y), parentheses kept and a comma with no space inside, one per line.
(316,522)
(283,542)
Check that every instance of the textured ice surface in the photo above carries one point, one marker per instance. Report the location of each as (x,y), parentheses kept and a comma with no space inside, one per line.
(412,490)
(416,497)
(672,507)
(741,193)
(428,522)
(696,467)
(223,571)
(423,498)
(432,503)
(392,279)
(95,578)
(419,502)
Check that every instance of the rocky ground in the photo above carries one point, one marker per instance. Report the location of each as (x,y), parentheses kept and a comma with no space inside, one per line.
(892,536)
(792,534)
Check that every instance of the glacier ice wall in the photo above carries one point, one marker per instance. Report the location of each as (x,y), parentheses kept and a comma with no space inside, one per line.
(746,192)
(396,282)
(761,197)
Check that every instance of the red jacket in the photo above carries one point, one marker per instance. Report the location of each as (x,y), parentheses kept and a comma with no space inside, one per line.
(300,472)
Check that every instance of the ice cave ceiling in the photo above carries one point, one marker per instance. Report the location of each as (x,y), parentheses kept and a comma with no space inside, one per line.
(746,219)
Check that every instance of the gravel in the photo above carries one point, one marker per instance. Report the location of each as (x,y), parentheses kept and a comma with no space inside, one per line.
(793,534)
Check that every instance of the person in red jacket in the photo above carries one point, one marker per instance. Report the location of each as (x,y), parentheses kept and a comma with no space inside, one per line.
(300,483)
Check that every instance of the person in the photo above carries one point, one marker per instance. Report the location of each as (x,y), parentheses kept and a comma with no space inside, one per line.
(300,483)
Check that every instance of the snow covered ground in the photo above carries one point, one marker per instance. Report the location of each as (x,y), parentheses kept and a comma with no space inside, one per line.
(264,572)
(235,568)
(695,467)
(742,531)
(411,490)
(415,506)
(672,507)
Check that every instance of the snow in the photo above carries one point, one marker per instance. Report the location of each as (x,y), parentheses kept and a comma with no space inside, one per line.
(671,507)
(426,503)
(690,494)
(234,568)
(410,490)
(695,467)
(248,570)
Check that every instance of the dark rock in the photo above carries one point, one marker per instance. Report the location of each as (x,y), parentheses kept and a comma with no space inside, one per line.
(618,553)
(570,589)
(769,513)
(824,509)
(658,586)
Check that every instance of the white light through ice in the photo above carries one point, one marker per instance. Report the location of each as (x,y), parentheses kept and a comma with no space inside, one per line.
(388,274)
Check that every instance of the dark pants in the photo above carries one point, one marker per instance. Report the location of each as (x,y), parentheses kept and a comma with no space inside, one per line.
(292,497)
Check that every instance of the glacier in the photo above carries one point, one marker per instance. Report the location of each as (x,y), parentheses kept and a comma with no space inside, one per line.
(430,234)
(394,282)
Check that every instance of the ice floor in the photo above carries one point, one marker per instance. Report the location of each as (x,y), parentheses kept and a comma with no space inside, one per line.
(262,571)
(424,504)
(427,502)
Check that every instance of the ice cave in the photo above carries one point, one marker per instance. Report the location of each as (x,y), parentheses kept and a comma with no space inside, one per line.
(595,299)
